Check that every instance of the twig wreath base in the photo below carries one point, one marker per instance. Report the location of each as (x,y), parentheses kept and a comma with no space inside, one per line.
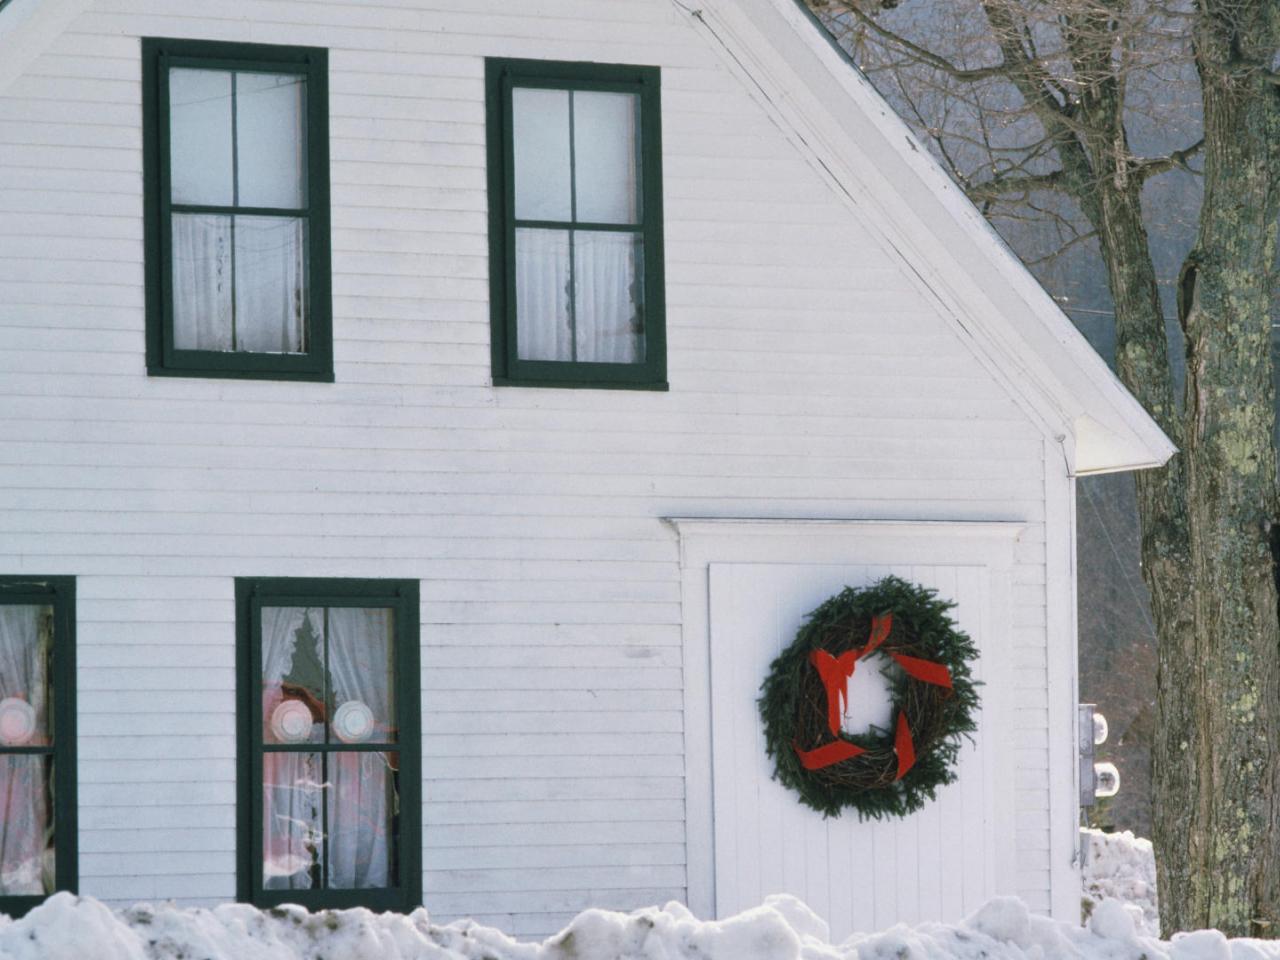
(883,773)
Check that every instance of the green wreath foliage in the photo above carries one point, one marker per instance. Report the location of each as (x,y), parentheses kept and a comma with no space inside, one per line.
(793,702)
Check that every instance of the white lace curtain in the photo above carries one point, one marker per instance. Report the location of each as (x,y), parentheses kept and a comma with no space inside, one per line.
(267,284)
(605,305)
(26,829)
(360,667)
(358,783)
(292,806)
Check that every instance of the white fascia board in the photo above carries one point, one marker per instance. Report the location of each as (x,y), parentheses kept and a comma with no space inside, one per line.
(1099,450)
(878,167)
(27,28)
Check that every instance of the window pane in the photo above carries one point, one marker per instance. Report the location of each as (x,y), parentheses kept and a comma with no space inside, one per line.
(292,818)
(294,692)
(606,148)
(200,136)
(608,307)
(362,674)
(542,295)
(201,282)
(363,806)
(540,126)
(271,293)
(356,795)
(271,139)
(26,644)
(26,824)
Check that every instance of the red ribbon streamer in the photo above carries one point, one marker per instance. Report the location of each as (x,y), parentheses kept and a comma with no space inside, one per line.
(827,754)
(835,673)
(905,748)
(880,627)
(925,670)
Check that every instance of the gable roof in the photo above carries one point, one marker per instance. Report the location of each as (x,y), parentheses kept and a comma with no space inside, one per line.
(876,165)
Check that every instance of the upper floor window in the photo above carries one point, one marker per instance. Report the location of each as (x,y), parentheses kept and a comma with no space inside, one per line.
(37,740)
(575,229)
(237,219)
(330,775)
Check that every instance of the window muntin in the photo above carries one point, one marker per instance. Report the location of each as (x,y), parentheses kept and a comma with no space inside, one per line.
(576,224)
(37,741)
(331,743)
(237,210)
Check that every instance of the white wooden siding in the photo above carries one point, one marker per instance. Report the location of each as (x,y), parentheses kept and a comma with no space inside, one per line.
(807,380)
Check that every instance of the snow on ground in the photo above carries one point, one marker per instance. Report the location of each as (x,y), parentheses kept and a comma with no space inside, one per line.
(80,928)
(1123,867)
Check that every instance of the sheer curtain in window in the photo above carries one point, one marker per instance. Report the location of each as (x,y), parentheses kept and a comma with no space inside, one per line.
(271,284)
(608,322)
(543,327)
(202,287)
(361,666)
(292,815)
(266,281)
(26,851)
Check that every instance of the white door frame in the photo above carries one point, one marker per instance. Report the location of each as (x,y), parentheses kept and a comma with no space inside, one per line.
(704,541)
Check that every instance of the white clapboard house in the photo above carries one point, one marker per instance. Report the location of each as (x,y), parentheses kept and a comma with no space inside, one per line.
(422,421)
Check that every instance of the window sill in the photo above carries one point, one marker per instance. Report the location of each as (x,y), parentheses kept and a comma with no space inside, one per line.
(377,899)
(314,376)
(661,386)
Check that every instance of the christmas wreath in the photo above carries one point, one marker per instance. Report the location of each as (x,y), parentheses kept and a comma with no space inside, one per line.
(927,664)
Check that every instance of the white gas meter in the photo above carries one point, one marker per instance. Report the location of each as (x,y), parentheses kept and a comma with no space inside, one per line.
(1097,780)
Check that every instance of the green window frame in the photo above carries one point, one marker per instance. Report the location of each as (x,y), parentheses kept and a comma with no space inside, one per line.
(58,594)
(164,357)
(403,891)
(502,76)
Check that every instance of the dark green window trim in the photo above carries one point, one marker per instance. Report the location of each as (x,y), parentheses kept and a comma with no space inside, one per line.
(508,370)
(163,359)
(59,593)
(252,594)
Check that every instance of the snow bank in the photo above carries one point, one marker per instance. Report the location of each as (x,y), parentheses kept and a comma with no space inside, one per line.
(80,928)
(1121,866)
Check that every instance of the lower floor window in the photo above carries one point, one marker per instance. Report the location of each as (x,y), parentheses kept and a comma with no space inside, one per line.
(330,807)
(37,740)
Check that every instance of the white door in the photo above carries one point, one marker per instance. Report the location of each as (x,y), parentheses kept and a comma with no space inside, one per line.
(938,864)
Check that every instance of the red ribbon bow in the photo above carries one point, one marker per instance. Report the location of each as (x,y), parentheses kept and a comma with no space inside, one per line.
(835,673)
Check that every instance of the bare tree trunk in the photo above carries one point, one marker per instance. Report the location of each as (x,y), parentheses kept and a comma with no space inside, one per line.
(1227,287)
(1142,363)
(1112,201)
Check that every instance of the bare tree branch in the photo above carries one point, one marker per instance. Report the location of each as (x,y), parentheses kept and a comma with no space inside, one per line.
(1021,184)
(1055,254)
(923,55)
(1177,160)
